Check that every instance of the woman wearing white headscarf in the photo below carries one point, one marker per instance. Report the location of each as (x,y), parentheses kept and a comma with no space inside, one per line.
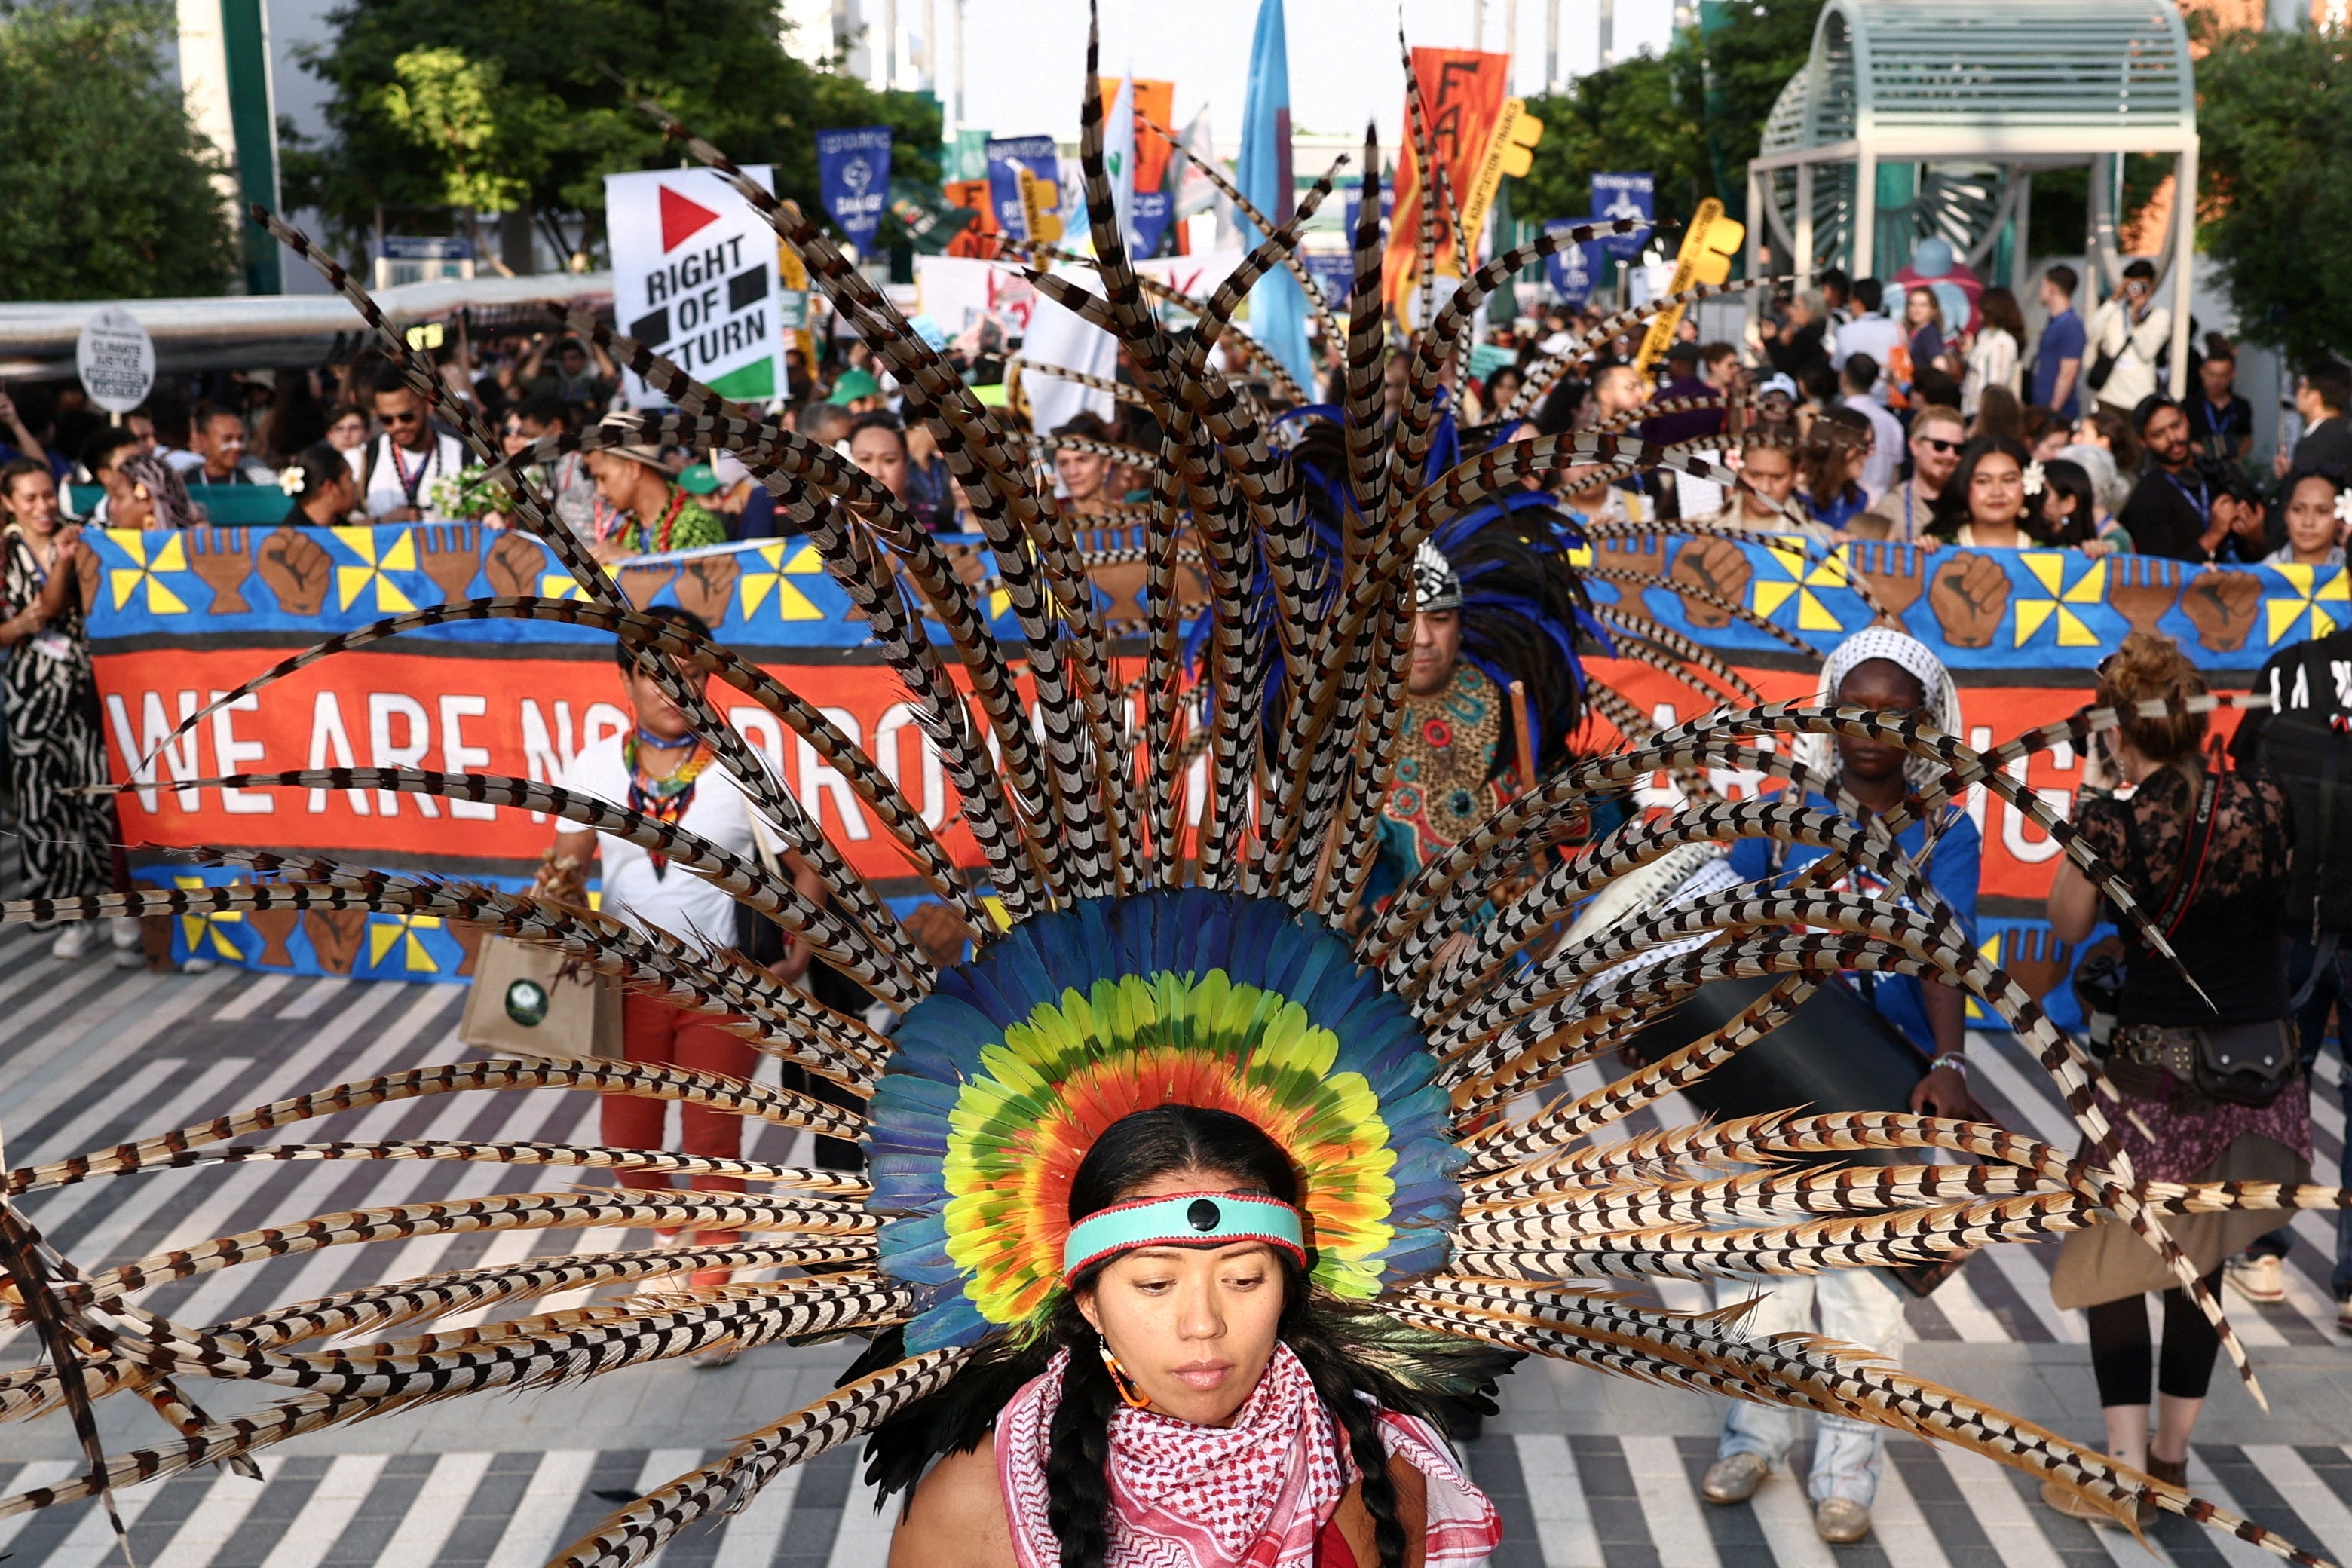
(1882,670)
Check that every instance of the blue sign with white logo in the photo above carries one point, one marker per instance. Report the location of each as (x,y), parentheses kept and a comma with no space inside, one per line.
(1034,153)
(852,171)
(1574,270)
(1618,197)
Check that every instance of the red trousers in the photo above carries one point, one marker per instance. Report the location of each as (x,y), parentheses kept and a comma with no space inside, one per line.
(655,1032)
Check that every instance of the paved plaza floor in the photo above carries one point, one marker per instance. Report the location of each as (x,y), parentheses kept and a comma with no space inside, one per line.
(1591,1472)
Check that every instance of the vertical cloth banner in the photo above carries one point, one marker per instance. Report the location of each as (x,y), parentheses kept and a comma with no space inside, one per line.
(1008,156)
(1118,159)
(694,276)
(1155,194)
(1625,195)
(1462,95)
(1572,272)
(1278,305)
(853,172)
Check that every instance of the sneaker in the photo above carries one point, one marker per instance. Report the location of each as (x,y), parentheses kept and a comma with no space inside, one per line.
(1840,1522)
(2343,1315)
(1734,1479)
(73,941)
(2258,1276)
(130,958)
(197,965)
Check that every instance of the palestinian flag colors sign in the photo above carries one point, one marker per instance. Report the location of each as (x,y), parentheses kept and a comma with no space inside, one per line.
(694,278)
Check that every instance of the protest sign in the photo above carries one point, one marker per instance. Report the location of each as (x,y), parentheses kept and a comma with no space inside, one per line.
(1462,96)
(694,276)
(853,170)
(1154,203)
(1008,158)
(1573,271)
(1618,197)
(115,359)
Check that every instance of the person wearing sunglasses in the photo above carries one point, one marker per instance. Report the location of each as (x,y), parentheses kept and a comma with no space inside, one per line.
(1906,510)
(395,471)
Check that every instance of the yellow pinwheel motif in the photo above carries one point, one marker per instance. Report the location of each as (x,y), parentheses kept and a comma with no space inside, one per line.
(386,932)
(2314,588)
(202,934)
(773,574)
(1802,575)
(151,555)
(351,581)
(2048,568)
(561,585)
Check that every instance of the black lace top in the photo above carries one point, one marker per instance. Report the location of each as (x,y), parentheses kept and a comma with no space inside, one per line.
(2229,939)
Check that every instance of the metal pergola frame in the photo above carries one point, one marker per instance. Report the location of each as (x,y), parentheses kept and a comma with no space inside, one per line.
(2024,84)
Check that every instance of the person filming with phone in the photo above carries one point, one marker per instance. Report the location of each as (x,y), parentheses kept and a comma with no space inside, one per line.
(2128,333)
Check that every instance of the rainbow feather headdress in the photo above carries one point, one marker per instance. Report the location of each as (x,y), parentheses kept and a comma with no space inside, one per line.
(1140,960)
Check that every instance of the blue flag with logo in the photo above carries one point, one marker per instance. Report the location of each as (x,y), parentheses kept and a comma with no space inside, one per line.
(1278,305)
(1574,270)
(853,173)
(1625,195)
(1034,153)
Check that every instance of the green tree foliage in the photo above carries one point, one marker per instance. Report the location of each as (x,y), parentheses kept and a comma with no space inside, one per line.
(2277,198)
(109,191)
(1683,115)
(457,104)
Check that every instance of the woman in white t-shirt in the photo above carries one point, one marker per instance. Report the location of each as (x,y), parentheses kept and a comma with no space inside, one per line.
(659,768)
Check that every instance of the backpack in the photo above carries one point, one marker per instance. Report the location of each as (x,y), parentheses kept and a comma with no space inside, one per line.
(2310,759)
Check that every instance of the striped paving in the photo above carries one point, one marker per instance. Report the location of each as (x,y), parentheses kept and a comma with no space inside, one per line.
(90,1056)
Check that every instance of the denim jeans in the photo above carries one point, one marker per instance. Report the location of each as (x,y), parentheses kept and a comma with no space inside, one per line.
(1858,1308)
(2333,988)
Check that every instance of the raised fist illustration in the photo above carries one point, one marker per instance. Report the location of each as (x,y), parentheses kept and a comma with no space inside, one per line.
(1897,573)
(1969,593)
(1643,552)
(2034,958)
(640,584)
(515,565)
(2142,588)
(335,936)
(453,554)
(1718,567)
(277,928)
(2222,607)
(223,558)
(939,931)
(299,571)
(707,587)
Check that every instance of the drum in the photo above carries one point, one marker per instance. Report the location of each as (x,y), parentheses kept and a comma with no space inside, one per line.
(1837,1053)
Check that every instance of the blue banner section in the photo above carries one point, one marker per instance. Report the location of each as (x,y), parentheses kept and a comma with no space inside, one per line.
(1573,271)
(1625,195)
(1034,153)
(853,169)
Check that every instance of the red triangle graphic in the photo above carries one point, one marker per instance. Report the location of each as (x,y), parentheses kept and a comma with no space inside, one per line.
(681,218)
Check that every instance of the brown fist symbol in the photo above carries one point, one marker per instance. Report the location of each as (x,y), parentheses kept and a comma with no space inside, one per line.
(707,587)
(298,569)
(515,564)
(2221,605)
(1719,567)
(1968,594)
(1895,572)
(2142,587)
(1643,552)
(939,932)
(453,553)
(224,559)
(640,584)
(335,936)
(2035,959)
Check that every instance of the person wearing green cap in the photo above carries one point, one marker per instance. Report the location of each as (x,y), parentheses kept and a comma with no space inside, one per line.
(858,391)
(656,514)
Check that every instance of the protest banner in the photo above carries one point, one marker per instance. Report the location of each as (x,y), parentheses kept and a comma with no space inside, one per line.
(180,617)
(694,276)
(1628,196)
(852,171)
(1154,199)
(1462,96)
(1010,157)
(1573,271)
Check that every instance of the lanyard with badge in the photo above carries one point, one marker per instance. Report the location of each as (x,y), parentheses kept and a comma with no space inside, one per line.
(424,466)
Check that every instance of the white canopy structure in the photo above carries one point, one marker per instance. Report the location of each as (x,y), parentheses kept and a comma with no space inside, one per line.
(1977,97)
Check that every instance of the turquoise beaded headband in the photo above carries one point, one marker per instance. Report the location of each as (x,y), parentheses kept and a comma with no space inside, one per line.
(1182,1219)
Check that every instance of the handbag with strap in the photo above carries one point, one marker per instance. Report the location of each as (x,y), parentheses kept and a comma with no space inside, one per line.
(2239,1064)
(534,1003)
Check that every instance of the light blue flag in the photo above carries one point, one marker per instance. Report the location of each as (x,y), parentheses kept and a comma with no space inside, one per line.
(1278,305)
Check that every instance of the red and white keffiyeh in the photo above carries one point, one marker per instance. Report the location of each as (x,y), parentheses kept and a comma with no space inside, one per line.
(1255,1494)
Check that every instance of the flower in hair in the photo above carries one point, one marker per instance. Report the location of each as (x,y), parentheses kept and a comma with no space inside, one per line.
(291,480)
(2033,478)
(2344,506)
